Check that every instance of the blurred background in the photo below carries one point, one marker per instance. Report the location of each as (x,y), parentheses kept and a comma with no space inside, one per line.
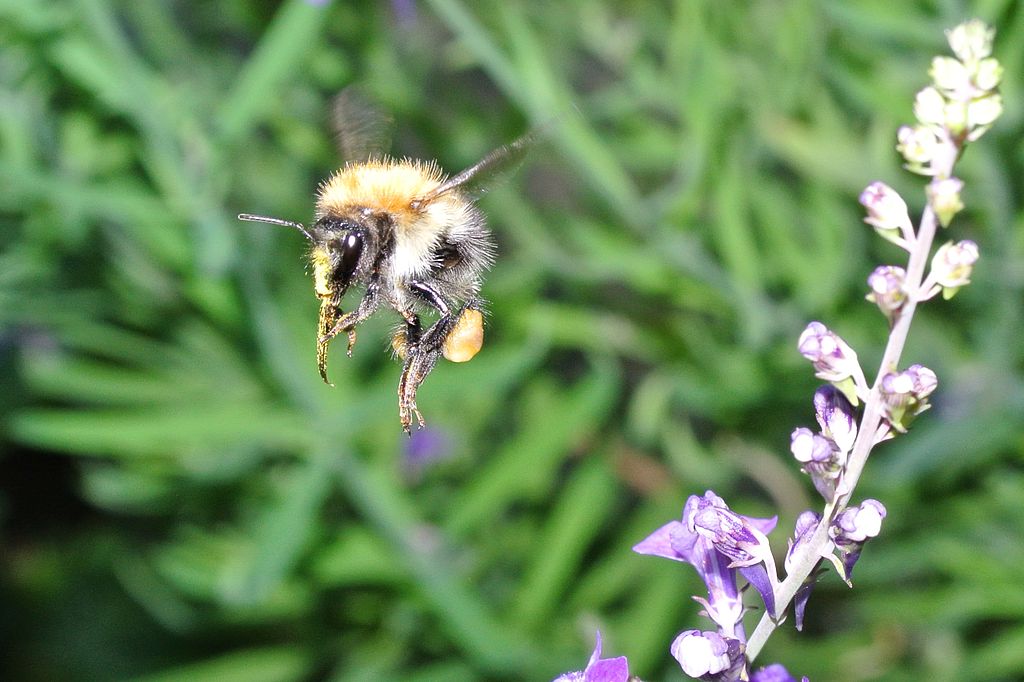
(181,498)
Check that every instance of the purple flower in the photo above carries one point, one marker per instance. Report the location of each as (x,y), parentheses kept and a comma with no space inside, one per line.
(774,673)
(717,542)
(708,655)
(599,669)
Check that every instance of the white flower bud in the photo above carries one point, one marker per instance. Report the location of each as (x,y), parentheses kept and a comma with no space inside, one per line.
(983,112)
(944,197)
(989,74)
(949,75)
(930,106)
(952,264)
(971,40)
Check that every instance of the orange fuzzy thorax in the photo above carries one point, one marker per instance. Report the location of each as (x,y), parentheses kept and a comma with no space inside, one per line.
(381,185)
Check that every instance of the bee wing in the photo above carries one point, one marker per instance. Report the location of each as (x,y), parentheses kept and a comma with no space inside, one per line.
(362,130)
(496,166)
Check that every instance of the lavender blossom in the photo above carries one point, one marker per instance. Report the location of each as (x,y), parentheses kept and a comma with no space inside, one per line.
(599,669)
(707,528)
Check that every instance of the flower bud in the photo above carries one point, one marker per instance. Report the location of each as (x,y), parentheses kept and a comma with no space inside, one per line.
(982,113)
(836,417)
(988,75)
(923,379)
(905,394)
(952,265)
(887,212)
(805,525)
(887,289)
(808,446)
(919,146)
(971,41)
(858,524)
(944,197)
(706,653)
(853,527)
(833,360)
(930,107)
(949,75)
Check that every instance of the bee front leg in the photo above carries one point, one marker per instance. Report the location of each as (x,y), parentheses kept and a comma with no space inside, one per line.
(347,323)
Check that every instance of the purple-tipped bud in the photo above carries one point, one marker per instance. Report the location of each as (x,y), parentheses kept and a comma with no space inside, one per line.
(924,381)
(836,417)
(821,459)
(887,289)
(905,394)
(952,266)
(944,197)
(887,212)
(833,359)
(859,524)
(707,655)
(805,525)
(853,527)
(808,447)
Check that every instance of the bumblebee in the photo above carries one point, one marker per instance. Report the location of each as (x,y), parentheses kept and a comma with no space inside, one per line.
(411,237)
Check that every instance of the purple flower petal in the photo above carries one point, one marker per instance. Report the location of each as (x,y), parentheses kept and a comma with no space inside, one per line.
(660,542)
(757,576)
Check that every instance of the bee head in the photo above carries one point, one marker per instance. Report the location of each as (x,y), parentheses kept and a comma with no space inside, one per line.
(344,243)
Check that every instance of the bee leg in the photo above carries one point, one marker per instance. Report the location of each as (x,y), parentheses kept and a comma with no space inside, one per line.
(347,323)
(423,350)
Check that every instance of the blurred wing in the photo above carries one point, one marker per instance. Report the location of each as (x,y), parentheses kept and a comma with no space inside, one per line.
(363,131)
(491,170)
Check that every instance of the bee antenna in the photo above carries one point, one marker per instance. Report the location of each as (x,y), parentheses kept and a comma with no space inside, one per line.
(275,221)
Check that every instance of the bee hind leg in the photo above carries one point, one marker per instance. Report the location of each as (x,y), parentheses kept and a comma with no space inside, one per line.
(423,350)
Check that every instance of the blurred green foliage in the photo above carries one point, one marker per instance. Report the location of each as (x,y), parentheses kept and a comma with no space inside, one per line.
(182,499)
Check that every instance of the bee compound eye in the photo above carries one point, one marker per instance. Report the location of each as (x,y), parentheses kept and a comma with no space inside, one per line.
(350,248)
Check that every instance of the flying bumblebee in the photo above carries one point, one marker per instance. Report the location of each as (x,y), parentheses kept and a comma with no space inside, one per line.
(411,236)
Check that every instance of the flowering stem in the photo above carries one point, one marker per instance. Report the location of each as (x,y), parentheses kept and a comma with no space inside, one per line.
(811,553)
